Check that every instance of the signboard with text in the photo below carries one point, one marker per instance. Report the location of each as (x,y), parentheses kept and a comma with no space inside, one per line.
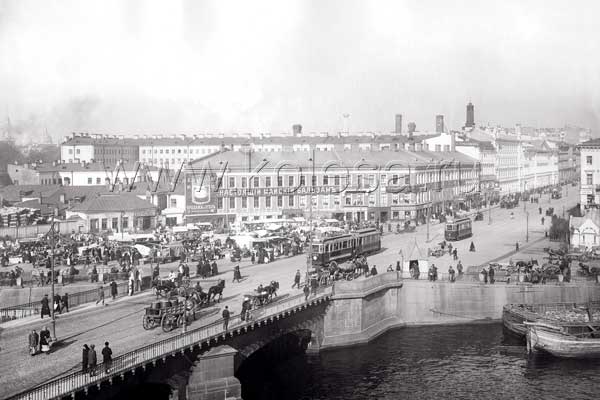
(199,195)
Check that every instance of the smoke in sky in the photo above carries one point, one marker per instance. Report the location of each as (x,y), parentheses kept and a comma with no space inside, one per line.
(185,66)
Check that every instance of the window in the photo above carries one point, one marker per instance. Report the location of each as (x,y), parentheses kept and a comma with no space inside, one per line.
(256,181)
(371,200)
(290,180)
(589,179)
(268,181)
(167,151)
(336,180)
(314,180)
(173,203)
(70,151)
(348,201)
(89,181)
(256,202)
(302,180)
(78,151)
(231,182)
(325,201)
(359,181)
(268,201)
(125,223)
(115,223)
(220,203)
(98,181)
(325,180)
(104,224)
(244,202)
(244,182)
(232,203)
(302,201)
(279,181)
(291,201)
(280,201)
(588,160)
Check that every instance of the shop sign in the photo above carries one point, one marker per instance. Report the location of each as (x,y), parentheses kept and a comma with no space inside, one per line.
(277,191)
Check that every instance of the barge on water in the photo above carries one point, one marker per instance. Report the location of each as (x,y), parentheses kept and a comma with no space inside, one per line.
(573,318)
(553,340)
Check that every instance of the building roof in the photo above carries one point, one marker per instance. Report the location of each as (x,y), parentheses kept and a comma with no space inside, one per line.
(590,143)
(592,214)
(250,160)
(84,166)
(112,203)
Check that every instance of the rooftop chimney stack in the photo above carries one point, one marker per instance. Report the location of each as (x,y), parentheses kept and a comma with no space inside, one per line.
(297,129)
(398,127)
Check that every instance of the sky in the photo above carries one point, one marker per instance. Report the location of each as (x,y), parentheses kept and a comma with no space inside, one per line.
(198,67)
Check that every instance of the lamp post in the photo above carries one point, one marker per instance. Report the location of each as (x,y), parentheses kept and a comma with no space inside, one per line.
(53,250)
(310,249)
(122,225)
(527,226)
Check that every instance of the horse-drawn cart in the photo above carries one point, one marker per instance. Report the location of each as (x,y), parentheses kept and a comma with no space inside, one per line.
(169,314)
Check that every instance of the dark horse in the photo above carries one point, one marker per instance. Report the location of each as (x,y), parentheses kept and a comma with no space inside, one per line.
(216,290)
(271,289)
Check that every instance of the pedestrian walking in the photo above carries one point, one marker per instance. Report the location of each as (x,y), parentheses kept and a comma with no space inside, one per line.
(65,302)
(56,303)
(399,267)
(472,247)
(100,295)
(45,340)
(131,284)
(313,285)
(92,360)
(106,357)
(491,274)
(484,272)
(306,291)
(373,270)
(543,220)
(226,316)
(113,289)
(84,358)
(459,268)
(34,342)
(45,306)
(451,274)
(517,246)
(297,279)
(455,253)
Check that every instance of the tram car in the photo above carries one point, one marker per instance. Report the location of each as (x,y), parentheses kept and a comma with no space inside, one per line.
(458,229)
(334,250)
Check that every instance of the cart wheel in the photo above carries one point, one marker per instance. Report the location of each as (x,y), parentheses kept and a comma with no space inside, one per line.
(147,322)
(180,321)
(333,264)
(349,277)
(167,323)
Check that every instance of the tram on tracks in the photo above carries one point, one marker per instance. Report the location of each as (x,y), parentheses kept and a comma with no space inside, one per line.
(458,229)
(329,251)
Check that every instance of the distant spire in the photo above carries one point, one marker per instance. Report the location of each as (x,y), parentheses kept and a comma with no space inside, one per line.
(47,137)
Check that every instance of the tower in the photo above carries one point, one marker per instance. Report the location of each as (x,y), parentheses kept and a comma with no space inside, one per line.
(439,124)
(470,116)
(398,127)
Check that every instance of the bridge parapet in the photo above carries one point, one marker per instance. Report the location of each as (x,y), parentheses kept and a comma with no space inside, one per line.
(364,287)
(141,357)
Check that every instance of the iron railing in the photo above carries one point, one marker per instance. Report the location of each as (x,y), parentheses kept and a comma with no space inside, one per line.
(76,381)
(75,299)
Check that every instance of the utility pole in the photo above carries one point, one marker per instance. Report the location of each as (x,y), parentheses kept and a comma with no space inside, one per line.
(527,233)
(310,248)
(428,221)
(53,250)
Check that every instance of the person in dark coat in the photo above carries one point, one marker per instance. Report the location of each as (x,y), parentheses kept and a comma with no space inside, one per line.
(484,272)
(297,279)
(491,274)
(64,302)
(306,291)
(373,270)
(45,340)
(113,289)
(472,247)
(45,306)
(214,269)
(84,358)
(34,342)
(237,275)
(106,357)
(92,360)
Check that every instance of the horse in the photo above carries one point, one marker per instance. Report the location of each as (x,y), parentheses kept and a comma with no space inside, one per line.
(271,289)
(216,290)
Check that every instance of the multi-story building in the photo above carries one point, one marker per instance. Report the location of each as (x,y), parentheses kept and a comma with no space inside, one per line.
(350,185)
(590,174)
(484,152)
(80,174)
(539,166)
(509,157)
(99,148)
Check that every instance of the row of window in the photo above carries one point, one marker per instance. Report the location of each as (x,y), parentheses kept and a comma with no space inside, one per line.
(114,223)
(203,150)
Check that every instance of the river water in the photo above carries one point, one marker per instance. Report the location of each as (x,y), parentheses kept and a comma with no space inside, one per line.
(438,362)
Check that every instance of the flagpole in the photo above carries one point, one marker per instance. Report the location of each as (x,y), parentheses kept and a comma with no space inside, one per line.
(53,248)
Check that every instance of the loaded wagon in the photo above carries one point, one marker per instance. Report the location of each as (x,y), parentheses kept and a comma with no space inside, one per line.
(169,314)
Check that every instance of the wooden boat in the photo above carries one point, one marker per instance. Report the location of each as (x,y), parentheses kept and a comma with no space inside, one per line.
(547,338)
(573,318)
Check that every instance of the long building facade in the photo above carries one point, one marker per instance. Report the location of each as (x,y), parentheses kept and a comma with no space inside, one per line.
(352,186)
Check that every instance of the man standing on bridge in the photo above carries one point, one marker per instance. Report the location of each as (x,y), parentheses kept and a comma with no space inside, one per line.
(226,316)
